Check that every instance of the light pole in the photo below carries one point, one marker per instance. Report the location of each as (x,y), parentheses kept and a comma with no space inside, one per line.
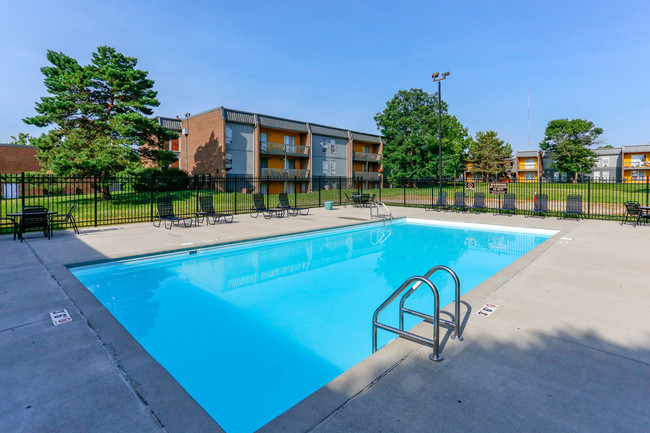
(435,76)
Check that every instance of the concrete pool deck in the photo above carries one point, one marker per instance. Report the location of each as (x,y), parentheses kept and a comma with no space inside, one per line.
(568,350)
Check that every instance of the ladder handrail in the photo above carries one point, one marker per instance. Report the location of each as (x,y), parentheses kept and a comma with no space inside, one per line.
(382,211)
(456,322)
(434,342)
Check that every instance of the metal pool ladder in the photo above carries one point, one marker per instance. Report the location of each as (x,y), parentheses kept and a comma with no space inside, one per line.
(380,211)
(434,318)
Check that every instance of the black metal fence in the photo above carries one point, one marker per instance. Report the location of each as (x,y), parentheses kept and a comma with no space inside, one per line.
(124,199)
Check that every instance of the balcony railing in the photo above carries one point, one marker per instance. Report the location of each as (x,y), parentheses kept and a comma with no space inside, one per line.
(284,173)
(524,167)
(372,176)
(640,164)
(284,149)
(367,156)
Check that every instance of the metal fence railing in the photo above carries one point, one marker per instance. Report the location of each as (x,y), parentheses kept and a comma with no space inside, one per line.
(125,199)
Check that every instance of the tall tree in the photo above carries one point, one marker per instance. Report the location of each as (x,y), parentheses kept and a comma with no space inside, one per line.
(489,154)
(409,124)
(568,144)
(22,139)
(98,116)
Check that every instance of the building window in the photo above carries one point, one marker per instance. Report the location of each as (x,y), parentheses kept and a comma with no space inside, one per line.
(366,149)
(605,161)
(636,175)
(264,141)
(596,175)
(324,145)
(325,167)
(556,176)
(332,167)
(605,175)
(529,177)
(228,134)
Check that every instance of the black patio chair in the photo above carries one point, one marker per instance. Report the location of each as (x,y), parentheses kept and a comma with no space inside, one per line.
(348,200)
(291,210)
(65,219)
(166,214)
(365,200)
(441,202)
(634,211)
(540,205)
(6,222)
(34,208)
(509,204)
(260,208)
(206,206)
(34,219)
(479,201)
(573,206)
(459,201)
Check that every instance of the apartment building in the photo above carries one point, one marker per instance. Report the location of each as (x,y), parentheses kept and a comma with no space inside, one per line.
(16,159)
(636,163)
(291,154)
(529,165)
(608,165)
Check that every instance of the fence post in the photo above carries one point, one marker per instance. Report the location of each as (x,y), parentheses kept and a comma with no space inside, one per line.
(340,190)
(152,184)
(588,197)
(196,187)
(646,189)
(404,193)
(235,212)
(22,188)
(96,188)
(318,190)
(295,191)
(432,200)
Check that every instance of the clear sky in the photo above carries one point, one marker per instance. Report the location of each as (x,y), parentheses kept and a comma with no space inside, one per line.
(338,62)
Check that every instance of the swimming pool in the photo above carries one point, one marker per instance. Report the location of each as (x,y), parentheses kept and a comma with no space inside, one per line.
(250,329)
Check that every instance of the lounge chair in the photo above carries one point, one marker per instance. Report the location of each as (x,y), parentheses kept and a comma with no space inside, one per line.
(66,219)
(34,219)
(9,222)
(479,201)
(166,214)
(206,205)
(540,205)
(260,207)
(573,206)
(291,210)
(459,201)
(509,203)
(442,201)
(634,211)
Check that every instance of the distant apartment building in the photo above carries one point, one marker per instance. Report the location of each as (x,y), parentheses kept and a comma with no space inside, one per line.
(529,165)
(289,153)
(636,163)
(608,165)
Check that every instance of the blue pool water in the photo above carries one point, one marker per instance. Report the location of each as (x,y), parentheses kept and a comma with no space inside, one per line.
(251,329)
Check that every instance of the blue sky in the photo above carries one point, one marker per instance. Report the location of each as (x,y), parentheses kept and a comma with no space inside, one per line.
(338,62)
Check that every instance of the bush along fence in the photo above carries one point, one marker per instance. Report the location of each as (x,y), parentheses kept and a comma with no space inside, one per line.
(125,199)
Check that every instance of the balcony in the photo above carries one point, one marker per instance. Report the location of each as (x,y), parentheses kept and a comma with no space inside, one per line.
(366,156)
(637,164)
(371,176)
(284,173)
(284,149)
(526,167)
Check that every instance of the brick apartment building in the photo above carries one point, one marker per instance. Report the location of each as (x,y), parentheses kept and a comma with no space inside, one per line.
(226,142)
(16,159)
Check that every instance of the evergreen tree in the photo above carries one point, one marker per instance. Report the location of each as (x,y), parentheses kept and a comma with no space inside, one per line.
(489,155)
(98,116)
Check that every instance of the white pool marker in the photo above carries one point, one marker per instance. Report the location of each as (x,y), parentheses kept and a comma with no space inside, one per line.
(187,243)
(487,309)
(60,316)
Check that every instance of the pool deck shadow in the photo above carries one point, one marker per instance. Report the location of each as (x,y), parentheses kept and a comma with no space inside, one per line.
(568,349)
